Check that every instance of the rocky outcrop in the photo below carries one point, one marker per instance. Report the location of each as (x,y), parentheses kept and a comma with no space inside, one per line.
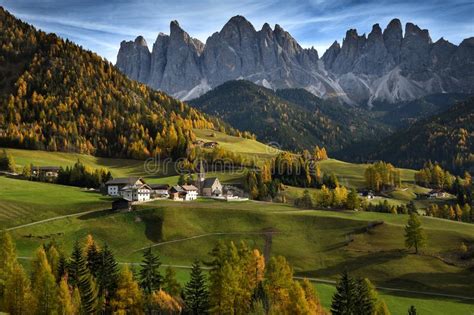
(134,59)
(384,66)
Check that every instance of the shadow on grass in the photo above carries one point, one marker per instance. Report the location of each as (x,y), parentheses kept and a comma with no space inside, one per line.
(353,264)
(153,227)
(455,283)
(460,283)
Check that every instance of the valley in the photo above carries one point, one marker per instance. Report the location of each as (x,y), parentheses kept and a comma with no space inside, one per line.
(268,170)
(327,240)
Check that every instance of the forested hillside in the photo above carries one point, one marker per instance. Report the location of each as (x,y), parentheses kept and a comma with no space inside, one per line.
(294,118)
(55,95)
(405,113)
(447,138)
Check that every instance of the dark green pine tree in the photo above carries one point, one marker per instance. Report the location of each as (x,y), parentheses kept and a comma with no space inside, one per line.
(62,268)
(196,295)
(74,265)
(108,274)
(412,310)
(364,303)
(150,277)
(412,208)
(80,276)
(88,290)
(343,301)
(94,259)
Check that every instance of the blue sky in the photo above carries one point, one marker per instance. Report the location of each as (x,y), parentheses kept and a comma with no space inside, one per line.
(100,25)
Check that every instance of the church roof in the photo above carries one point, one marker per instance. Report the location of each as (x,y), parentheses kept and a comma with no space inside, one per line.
(208,182)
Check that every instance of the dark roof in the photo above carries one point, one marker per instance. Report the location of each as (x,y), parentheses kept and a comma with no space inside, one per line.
(208,182)
(177,189)
(159,186)
(124,181)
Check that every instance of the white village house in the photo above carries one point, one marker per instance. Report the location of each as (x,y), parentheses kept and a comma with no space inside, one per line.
(191,192)
(136,193)
(129,188)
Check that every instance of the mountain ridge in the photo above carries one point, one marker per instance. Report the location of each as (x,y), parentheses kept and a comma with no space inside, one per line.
(446,137)
(292,118)
(384,66)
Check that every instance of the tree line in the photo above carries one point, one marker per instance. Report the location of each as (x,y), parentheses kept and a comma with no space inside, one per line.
(381,176)
(338,198)
(301,170)
(7,162)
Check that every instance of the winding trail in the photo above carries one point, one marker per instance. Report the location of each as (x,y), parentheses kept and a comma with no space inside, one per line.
(394,289)
(52,219)
(201,236)
(319,280)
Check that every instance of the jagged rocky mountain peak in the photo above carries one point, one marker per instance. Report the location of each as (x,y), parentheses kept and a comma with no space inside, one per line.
(384,66)
(376,32)
(395,25)
(266,28)
(175,28)
(140,41)
(413,30)
(238,23)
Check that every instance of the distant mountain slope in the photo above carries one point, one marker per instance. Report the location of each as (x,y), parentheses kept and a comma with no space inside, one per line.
(447,138)
(386,66)
(294,118)
(406,113)
(54,95)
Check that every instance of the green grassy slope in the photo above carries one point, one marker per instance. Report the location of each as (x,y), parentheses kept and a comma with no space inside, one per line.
(399,304)
(247,147)
(352,175)
(323,249)
(118,167)
(23,201)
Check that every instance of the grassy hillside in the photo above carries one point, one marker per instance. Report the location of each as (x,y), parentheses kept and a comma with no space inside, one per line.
(399,304)
(118,167)
(352,174)
(317,243)
(24,201)
(247,147)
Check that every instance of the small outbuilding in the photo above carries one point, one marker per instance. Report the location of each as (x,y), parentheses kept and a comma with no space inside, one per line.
(122,205)
(48,172)
(176,193)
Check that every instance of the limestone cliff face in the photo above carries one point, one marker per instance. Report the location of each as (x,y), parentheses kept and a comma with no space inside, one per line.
(385,66)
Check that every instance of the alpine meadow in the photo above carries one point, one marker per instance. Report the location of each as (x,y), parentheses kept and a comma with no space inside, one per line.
(249,170)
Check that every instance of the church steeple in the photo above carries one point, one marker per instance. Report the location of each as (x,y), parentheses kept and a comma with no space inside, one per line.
(201,177)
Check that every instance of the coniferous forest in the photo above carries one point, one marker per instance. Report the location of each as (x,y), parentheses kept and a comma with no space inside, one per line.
(56,96)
